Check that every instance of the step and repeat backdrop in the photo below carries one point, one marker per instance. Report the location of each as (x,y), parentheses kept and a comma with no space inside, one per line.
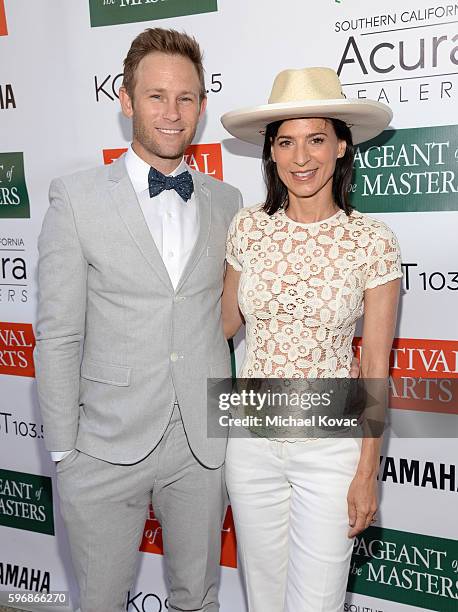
(60,71)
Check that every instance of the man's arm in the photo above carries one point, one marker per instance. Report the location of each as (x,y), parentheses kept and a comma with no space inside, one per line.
(62,286)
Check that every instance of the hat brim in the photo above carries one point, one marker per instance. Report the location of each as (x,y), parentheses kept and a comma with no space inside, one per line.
(365,118)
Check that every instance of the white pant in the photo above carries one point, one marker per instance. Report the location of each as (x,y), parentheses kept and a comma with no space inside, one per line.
(290,510)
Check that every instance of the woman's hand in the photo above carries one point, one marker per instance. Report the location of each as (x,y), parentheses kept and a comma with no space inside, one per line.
(355,368)
(362,502)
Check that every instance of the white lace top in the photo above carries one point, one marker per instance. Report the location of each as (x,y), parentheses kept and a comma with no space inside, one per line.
(302,286)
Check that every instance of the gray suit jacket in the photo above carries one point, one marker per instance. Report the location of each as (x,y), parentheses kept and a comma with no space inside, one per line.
(114,341)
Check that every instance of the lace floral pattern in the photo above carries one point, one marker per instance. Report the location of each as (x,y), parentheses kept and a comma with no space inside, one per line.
(302,286)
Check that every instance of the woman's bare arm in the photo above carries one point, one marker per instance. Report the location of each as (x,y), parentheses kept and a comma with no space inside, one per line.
(232,317)
(380,311)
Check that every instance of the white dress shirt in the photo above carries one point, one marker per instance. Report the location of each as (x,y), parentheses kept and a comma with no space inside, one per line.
(173,223)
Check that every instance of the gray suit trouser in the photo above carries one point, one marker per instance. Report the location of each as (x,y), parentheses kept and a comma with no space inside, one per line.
(105,517)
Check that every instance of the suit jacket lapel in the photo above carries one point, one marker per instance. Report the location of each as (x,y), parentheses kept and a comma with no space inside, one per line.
(203,201)
(130,212)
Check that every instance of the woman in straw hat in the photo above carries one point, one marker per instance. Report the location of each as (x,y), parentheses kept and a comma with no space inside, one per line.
(301,269)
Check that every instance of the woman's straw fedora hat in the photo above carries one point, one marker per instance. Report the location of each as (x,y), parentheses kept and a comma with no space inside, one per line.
(309,92)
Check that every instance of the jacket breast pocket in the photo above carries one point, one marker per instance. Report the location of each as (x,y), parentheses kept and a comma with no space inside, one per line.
(107,373)
(211,266)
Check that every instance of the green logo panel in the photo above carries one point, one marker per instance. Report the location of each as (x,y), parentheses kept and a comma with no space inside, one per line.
(113,12)
(411,170)
(409,568)
(26,502)
(14,198)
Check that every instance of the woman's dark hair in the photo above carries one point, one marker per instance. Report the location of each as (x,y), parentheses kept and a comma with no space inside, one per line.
(277,194)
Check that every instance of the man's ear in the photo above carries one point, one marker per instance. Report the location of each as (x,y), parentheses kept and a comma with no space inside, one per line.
(203,106)
(127,106)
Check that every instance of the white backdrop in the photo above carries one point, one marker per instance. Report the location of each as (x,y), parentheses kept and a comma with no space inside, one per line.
(58,107)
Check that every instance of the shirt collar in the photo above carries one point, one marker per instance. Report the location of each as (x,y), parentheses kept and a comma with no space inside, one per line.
(138,169)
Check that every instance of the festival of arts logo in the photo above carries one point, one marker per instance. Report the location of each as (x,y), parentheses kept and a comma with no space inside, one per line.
(408,568)
(17,342)
(152,538)
(114,12)
(423,374)
(14,197)
(407,170)
(3,26)
(206,158)
(26,502)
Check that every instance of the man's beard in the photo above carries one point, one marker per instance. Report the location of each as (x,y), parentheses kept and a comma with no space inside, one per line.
(142,136)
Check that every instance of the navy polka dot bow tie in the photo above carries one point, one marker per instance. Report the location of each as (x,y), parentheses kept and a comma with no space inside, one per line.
(159,182)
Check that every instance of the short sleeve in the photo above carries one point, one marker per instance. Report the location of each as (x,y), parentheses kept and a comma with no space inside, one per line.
(233,251)
(384,263)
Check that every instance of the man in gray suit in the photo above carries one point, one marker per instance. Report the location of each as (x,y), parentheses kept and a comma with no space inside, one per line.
(129,328)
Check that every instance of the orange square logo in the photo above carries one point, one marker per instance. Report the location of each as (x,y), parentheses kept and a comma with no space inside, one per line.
(17,342)
(109,155)
(421,358)
(152,539)
(229,542)
(206,158)
(3,26)
(152,535)
(423,374)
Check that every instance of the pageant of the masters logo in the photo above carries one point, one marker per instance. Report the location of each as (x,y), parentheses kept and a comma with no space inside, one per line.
(14,198)
(408,170)
(408,568)
(26,502)
(114,12)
